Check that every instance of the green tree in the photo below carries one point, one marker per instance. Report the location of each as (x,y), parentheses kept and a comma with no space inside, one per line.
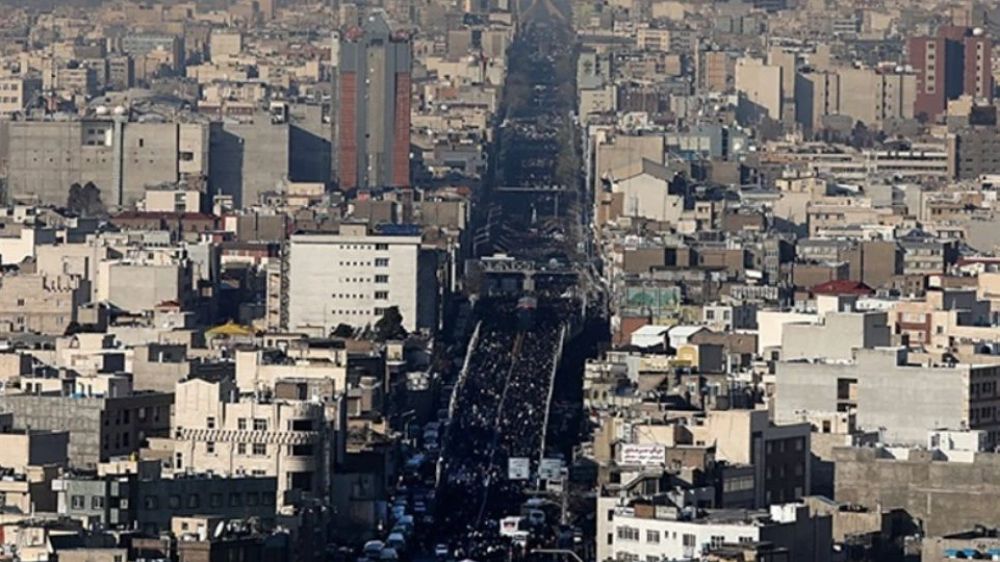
(85,200)
(342,331)
(390,326)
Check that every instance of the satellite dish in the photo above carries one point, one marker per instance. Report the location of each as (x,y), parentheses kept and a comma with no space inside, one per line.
(219,528)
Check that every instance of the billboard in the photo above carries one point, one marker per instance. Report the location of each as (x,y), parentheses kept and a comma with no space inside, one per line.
(518,468)
(658,302)
(510,525)
(655,298)
(550,469)
(651,454)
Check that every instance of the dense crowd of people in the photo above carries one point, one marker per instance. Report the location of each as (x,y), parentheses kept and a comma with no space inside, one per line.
(500,413)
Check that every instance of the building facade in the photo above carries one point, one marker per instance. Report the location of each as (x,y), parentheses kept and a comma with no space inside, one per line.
(354,276)
(899,399)
(956,61)
(121,158)
(218,431)
(640,533)
(100,427)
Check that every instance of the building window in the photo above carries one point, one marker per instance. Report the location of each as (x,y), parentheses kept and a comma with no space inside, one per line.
(210,422)
(628,533)
(235,500)
(381,246)
(78,502)
(210,447)
(241,423)
(97,502)
(215,500)
(151,502)
(259,424)
(194,501)
(174,501)
(381,262)
(717,541)
(653,537)
(381,295)
(381,278)
(253,499)
(260,449)
(241,448)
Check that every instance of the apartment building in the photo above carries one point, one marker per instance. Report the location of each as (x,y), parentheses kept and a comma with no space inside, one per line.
(760,90)
(925,255)
(941,484)
(889,394)
(257,368)
(102,425)
(835,335)
(876,98)
(41,304)
(16,92)
(293,433)
(817,95)
(779,453)
(138,495)
(974,152)
(955,61)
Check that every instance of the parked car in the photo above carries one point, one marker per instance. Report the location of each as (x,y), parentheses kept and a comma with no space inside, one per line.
(396,541)
(373,549)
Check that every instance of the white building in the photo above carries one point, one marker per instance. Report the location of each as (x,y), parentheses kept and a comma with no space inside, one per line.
(645,533)
(354,276)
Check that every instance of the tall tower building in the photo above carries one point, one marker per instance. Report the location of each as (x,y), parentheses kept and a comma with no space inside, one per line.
(373,121)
